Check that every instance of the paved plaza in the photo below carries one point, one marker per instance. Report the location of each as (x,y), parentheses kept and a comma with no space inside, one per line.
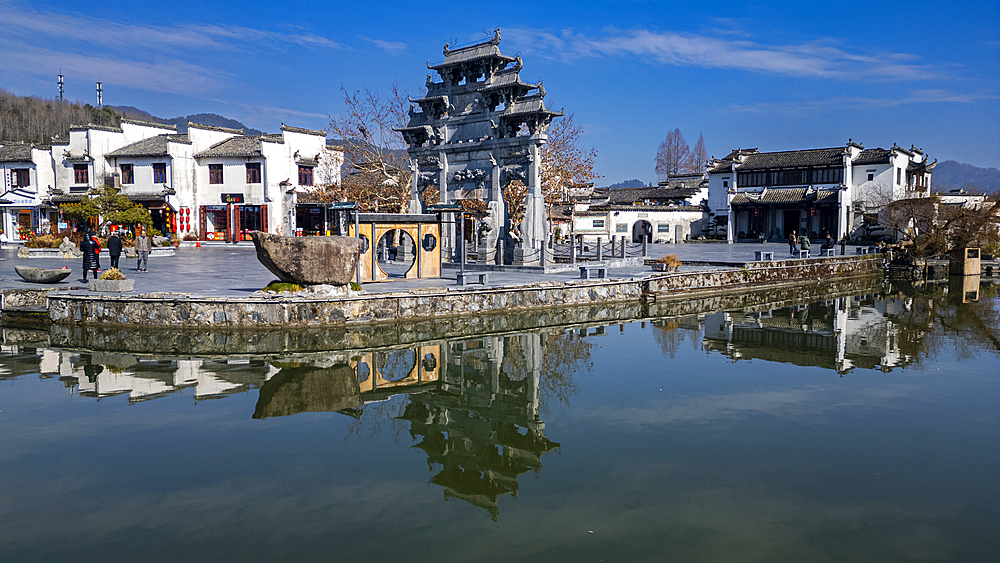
(234,271)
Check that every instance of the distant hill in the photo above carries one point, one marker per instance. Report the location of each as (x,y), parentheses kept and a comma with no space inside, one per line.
(633,183)
(950,174)
(211,119)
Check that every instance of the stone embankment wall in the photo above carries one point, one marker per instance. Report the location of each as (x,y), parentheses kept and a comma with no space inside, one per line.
(762,275)
(175,310)
(355,337)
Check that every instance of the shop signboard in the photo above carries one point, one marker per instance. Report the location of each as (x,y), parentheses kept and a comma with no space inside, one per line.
(232,198)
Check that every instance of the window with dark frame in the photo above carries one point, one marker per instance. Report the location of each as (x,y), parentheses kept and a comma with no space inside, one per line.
(305,175)
(81,174)
(214,173)
(159,173)
(253,172)
(20,177)
(128,174)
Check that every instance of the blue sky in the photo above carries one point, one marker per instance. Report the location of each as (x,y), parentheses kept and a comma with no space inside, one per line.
(777,75)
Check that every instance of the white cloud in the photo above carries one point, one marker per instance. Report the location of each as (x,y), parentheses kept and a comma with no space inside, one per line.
(31,24)
(815,59)
(390,47)
(809,107)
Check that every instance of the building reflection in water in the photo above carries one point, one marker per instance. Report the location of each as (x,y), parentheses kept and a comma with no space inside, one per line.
(474,405)
(839,334)
(883,331)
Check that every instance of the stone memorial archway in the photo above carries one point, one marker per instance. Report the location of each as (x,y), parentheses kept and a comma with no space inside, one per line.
(478,129)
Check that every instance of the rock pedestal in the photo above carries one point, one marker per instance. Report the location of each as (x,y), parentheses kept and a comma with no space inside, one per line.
(309,260)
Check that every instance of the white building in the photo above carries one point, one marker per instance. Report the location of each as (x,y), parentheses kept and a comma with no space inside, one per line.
(838,190)
(27,174)
(670,212)
(213,182)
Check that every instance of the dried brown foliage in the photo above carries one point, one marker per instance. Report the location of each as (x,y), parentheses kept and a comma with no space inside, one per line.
(934,229)
(565,164)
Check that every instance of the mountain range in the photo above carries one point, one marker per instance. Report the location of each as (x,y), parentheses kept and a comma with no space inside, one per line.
(950,175)
(210,119)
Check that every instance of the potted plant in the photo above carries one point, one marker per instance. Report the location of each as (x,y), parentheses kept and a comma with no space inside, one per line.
(668,263)
(112,280)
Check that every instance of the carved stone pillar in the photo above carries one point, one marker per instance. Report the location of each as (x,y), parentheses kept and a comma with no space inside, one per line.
(450,219)
(533,232)
(416,206)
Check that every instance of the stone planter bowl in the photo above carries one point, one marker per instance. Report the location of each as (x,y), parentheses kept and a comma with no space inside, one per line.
(112,285)
(43,275)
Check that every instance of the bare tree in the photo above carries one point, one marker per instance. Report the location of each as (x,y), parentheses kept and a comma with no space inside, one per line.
(374,153)
(699,156)
(565,164)
(934,229)
(673,156)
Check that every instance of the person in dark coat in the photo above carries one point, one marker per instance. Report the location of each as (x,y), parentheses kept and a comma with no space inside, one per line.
(114,248)
(90,250)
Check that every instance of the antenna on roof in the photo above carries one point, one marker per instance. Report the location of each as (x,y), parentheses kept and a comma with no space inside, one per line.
(60,83)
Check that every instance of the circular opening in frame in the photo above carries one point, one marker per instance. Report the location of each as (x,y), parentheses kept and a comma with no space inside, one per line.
(395,253)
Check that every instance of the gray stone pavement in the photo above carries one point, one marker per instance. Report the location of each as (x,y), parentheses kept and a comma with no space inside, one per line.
(233,270)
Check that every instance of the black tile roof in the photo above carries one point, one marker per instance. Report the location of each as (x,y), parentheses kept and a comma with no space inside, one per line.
(629,196)
(214,128)
(793,159)
(786,196)
(15,152)
(153,146)
(302,130)
(97,127)
(150,124)
(240,146)
(872,156)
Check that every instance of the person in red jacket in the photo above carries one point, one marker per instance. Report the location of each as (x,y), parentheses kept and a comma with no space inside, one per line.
(91,249)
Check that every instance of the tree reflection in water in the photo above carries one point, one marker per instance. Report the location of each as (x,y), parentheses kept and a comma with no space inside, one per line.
(475,406)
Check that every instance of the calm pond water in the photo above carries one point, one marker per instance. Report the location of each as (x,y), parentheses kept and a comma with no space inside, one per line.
(860,428)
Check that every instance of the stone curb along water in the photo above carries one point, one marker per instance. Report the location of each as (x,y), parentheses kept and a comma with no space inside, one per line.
(182,310)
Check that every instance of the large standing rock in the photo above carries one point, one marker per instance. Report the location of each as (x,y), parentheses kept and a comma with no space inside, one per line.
(309,260)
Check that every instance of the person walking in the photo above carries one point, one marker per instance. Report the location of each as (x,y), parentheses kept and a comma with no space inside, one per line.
(142,248)
(91,249)
(843,244)
(793,242)
(114,248)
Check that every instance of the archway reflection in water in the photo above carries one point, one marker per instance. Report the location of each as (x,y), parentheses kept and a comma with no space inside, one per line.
(642,427)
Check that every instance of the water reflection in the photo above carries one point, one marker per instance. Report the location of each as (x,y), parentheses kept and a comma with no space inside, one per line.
(882,331)
(475,406)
